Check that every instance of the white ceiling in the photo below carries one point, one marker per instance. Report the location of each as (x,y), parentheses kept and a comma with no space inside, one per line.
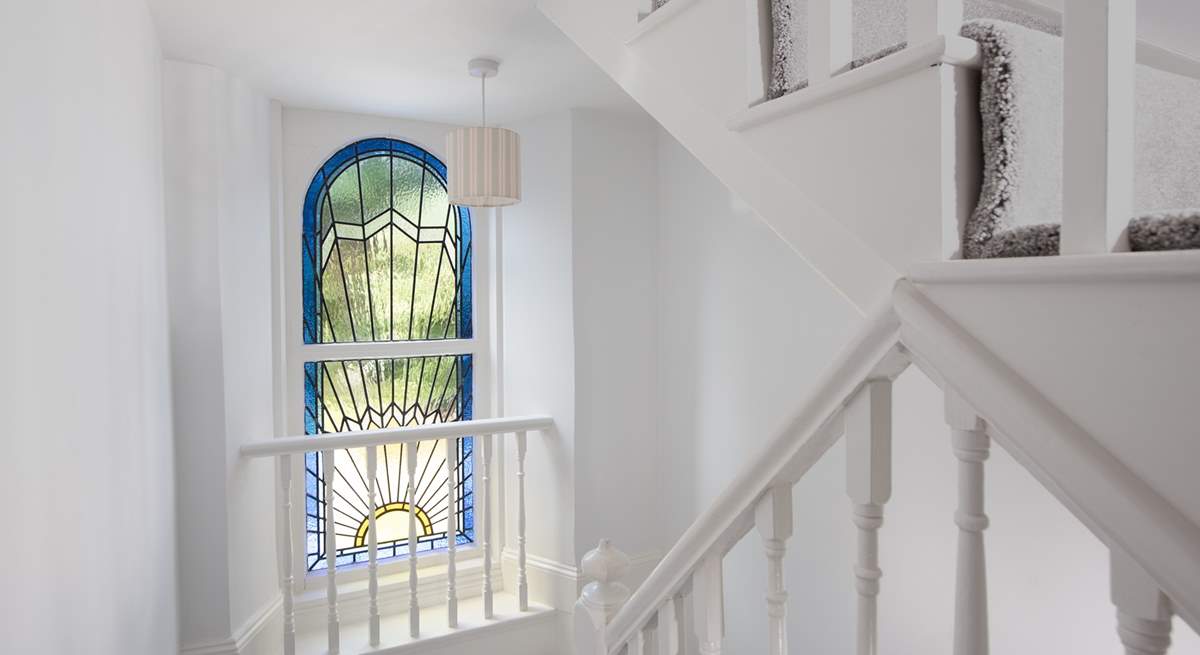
(390,57)
(408,57)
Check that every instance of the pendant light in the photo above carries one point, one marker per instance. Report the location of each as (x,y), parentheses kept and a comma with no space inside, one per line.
(484,162)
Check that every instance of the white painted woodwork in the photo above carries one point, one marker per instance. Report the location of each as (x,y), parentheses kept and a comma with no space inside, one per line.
(287,587)
(1143,611)
(484,489)
(773,518)
(668,629)
(930,19)
(331,592)
(1099,63)
(390,436)
(637,644)
(414,607)
(786,456)
(652,20)
(708,605)
(869,485)
(1074,438)
(830,38)
(601,598)
(522,576)
(372,547)
(452,532)
(950,50)
(971,444)
(758,50)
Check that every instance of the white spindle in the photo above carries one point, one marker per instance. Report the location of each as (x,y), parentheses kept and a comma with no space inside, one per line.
(601,598)
(1099,46)
(971,445)
(869,485)
(636,644)
(327,464)
(414,607)
(830,38)
(1143,612)
(286,584)
(372,546)
(929,19)
(773,518)
(486,491)
(708,605)
(522,578)
(668,629)
(451,532)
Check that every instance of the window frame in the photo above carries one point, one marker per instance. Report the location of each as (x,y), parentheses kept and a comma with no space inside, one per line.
(289,287)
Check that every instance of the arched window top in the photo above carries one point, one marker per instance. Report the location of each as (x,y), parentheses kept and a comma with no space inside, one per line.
(386,257)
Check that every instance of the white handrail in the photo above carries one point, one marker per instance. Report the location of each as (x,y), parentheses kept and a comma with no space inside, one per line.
(803,441)
(413,434)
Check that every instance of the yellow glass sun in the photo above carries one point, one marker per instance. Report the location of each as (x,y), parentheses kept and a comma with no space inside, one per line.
(391,524)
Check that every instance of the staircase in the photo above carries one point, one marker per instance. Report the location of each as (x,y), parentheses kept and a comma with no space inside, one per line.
(1136,494)
(1079,367)
(869,176)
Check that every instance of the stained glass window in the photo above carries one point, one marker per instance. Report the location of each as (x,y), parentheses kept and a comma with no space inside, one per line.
(387,259)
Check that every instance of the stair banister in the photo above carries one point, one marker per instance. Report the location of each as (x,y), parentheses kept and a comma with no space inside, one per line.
(794,449)
(283,448)
(1114,503)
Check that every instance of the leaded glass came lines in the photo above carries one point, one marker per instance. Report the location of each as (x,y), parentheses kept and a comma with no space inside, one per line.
(385,258)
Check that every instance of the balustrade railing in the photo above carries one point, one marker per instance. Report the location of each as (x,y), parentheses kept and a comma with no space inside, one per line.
(854,401)
(328,445)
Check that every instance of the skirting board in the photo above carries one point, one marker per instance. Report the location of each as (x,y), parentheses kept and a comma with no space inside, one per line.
(239,643)
(557,584)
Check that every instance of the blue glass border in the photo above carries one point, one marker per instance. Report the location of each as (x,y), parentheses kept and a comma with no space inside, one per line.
(310,249)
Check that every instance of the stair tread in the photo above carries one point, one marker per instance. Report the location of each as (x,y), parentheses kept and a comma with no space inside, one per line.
(393,628)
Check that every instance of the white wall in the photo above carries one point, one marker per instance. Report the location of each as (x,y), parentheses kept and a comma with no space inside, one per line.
(89,529)
(614,199)
(579,293)
(217,138)
(539,339)
(744,327)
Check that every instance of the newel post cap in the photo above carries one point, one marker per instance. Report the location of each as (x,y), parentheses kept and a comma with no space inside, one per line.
(604,595)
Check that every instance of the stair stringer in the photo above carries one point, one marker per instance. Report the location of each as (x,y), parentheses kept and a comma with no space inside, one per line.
(692,94)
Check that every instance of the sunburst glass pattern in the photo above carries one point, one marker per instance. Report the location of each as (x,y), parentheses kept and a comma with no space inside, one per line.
(386,258)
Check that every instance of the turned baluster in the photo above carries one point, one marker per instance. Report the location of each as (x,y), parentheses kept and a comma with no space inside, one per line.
(708,605)
(1143,611)
(284,544)
(414,607)
(372,547)
(773,518)
(451,532)
(869,485)
(331,594)
(971,446)
(485,490)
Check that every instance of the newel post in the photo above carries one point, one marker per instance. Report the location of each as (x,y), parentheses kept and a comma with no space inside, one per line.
(602,597)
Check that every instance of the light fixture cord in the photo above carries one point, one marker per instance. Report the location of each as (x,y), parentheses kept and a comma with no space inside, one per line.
(483,98)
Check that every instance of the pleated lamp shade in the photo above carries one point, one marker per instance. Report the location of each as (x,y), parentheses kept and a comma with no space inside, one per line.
(483,166)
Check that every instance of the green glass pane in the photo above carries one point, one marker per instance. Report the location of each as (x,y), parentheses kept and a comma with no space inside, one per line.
(376,185)
(437,205)
(344,195)
(403,253)
(406,187)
